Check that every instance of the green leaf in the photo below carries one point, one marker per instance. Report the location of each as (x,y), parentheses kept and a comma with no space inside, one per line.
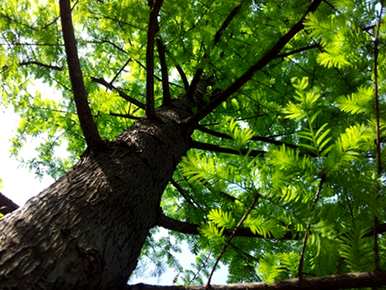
(359,102)
(221,219)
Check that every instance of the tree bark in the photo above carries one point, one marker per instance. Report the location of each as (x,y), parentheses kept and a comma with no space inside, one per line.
(342,281)
(7,205)
(86,230)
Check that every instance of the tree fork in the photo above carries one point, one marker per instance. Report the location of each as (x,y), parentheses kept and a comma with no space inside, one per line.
(86,230)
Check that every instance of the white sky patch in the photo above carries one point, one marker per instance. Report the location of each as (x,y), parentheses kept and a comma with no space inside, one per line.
(47,92)
(186,259)
(19,184)
(243,124)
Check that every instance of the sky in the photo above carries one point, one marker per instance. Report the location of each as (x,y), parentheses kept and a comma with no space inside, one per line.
(19,184)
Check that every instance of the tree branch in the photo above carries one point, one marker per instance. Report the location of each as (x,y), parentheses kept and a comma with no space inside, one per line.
(267,57)
(120,92)
(193,229)
(7,205)
(376,94)
(298,50)
(342,281)
(120,71)
(126,116)
(226,196)
(34,62)
(194,83)
(185,195)
(155,6)
(117,47)
(378,148)
(87,123)
(164,71)
(231,236)
(308,229)
(226,23)
(183,77)
(219,149)
(254,138)
(217,37)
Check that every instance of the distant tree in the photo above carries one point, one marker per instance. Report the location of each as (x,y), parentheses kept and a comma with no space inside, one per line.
(252,130)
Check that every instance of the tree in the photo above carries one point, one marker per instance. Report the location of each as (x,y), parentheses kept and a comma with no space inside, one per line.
(253,130)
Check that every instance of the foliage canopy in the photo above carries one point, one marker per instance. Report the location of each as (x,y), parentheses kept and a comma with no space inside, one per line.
(299,137)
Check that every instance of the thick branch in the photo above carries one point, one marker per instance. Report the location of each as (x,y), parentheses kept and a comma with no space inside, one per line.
(342,281)
(267,57)
(164,71)
(194,83)
(7,205)
(193,229)
(155,6)
(219,149)
(226,23)
(87,123)
(120,92)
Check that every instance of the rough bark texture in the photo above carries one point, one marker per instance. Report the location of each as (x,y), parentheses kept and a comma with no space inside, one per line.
(86,230)
(342,281)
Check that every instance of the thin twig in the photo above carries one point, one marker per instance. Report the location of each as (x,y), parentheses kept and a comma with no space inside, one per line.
(378,155)
(202,266)
(298,50)
(34,62)
(220,149)
(186,195)
(254,138)
(307,233)
(376,94)
(266,58)
(120,71)
(120,92)
(227,243)
(217,37)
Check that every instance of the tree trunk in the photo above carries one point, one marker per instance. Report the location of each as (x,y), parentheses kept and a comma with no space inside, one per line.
(86,230)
